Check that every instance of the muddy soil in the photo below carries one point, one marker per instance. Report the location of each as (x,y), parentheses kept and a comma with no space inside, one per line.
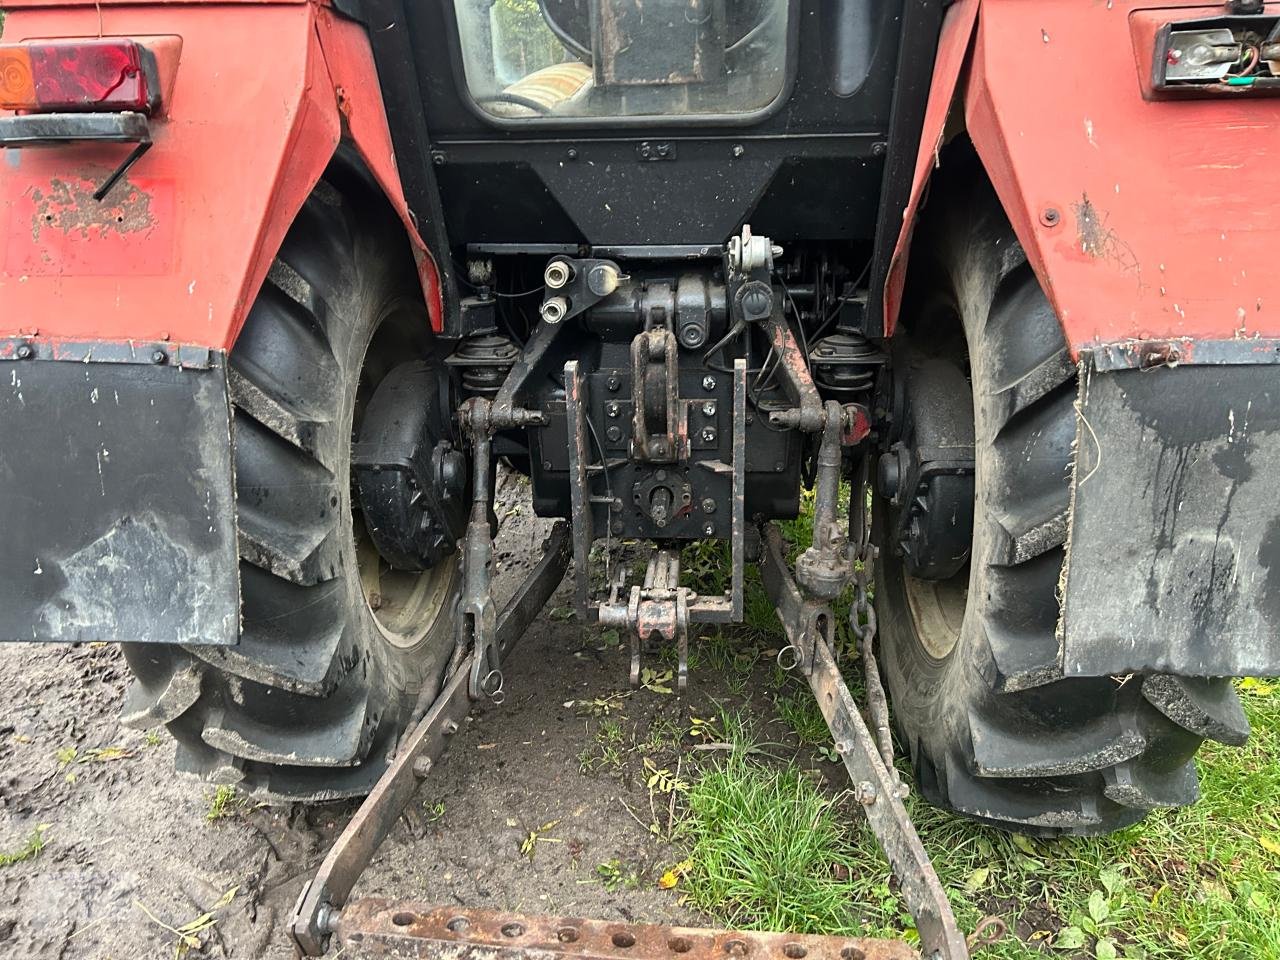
(130,851)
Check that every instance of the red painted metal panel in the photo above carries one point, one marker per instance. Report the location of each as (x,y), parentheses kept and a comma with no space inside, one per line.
(953,44)
(350,61)
(180,247)
(1165,221)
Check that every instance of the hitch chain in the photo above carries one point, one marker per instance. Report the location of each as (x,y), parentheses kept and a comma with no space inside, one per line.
(863,623)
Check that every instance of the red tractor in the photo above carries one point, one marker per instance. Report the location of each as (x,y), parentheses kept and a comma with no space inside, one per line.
(282,281)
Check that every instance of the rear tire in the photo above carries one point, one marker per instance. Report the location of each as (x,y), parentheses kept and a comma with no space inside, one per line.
(310,703)
(994,730)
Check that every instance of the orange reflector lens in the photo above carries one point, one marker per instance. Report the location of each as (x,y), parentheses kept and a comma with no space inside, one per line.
(17,85)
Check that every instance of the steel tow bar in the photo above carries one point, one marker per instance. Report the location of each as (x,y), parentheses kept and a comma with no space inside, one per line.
(809,626)
(380,928)
(319,906)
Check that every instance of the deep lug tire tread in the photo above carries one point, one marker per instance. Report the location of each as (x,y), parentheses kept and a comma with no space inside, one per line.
(308,706)
(996,731)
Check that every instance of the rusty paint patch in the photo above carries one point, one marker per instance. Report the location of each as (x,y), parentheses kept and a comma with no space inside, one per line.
(68,207)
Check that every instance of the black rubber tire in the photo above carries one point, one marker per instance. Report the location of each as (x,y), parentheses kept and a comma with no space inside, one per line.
(994,730)
(310,703)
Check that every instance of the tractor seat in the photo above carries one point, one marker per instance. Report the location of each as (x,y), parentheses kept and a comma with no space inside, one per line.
(542,92)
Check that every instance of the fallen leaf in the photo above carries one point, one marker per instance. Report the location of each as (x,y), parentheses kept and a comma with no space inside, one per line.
(977,880)
(1069,938)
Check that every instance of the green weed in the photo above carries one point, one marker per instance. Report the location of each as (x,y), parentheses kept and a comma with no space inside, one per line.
(29,850)
(223,803)
(607,749)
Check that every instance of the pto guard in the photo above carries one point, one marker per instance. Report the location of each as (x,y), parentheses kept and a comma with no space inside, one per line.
(1173,551)
(121,503)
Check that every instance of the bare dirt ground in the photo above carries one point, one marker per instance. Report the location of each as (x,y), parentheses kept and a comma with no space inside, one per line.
(130,852)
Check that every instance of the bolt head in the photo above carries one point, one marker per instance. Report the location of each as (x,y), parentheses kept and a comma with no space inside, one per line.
(709,408)
(613,409)
(614,433)
(708,505)
(572,153)
(708,382)
(614,383)
(708,435)
(25,352)
(159,356)
(739,150)
(709,530)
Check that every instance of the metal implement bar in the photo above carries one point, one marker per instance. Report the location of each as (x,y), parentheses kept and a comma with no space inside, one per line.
(379,928)
(793,368)
(875,784)
(738,530)
(579,495)
(476,616)
(317,911)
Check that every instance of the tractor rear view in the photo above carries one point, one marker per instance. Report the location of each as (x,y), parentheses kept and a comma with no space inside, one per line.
(282,283)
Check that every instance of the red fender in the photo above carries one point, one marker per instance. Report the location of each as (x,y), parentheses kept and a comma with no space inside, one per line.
(953,45)
(1143,219)
(178,250)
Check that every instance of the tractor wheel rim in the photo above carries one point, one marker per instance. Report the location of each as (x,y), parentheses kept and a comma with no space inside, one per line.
(937,611)
(404,604)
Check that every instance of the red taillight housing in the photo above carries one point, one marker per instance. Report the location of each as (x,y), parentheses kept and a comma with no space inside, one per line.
(71,76)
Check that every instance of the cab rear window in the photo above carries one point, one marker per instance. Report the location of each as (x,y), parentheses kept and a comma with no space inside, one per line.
(550,59)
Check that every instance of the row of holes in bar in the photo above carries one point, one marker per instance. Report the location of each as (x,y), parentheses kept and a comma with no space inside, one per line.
(624,939)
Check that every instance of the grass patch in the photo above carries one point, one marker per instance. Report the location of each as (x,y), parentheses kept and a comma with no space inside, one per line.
(770,850)
(767,850)
(28,851)
(800,712)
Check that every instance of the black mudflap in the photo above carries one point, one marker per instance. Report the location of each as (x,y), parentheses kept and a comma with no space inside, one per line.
(1173,562)
(118,494)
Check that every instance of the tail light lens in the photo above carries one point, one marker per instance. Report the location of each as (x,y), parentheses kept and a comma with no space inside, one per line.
(78,75)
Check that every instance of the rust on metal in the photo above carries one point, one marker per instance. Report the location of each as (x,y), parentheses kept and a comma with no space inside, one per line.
(808,624)
(312,919)
(660,431)
(382,928)
(807,414)
(579,491)
(68,206)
